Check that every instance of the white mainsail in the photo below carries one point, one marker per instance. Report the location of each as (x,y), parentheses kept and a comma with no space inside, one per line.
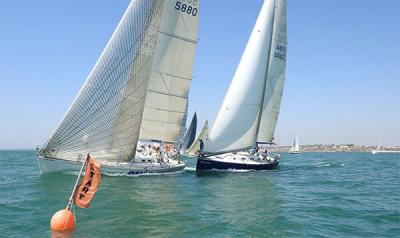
(105,118)
(196,143)
(295,147)
(276,76)
(237,123)
(171,75)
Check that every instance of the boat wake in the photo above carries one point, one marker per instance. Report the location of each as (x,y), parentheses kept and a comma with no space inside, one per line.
(190,169)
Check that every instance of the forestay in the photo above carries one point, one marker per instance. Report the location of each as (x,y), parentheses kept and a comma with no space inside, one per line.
(276,76)
(238,118)
(171,74)
(105,117)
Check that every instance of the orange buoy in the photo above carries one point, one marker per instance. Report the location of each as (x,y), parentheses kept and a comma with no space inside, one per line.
(63,220)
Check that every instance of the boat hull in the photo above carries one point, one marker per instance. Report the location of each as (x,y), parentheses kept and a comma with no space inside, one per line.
(52,165)
(235,162)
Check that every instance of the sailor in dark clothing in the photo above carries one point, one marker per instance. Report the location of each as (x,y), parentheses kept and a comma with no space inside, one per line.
(201,154)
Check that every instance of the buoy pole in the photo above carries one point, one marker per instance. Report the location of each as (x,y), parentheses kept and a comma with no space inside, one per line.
(64,220)
(70,201)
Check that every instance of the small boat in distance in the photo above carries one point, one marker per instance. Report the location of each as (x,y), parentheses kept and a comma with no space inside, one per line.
(247,118)
(295,147)
(378,150)
(129,112)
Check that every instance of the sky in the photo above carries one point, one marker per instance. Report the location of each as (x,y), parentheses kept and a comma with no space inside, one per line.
(342,78)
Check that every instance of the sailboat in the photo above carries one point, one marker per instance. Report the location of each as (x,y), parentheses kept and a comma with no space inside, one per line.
(189,135)
(378,150)
(295,147)
(129,111)
(248,115)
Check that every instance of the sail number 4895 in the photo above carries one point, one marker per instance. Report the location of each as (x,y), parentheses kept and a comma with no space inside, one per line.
(183,7)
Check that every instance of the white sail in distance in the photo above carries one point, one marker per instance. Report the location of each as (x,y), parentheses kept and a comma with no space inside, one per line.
(295,146)
(237,122)
(105,117)
(276,76)
(167,95)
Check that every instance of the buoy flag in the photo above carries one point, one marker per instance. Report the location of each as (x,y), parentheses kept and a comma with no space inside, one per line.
(88,187)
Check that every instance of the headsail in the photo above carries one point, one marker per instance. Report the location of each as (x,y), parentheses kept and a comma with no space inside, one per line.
(238,118)
(196,144)
(295,146)
(105,117)
(190,134)
(276,76)
(171,74)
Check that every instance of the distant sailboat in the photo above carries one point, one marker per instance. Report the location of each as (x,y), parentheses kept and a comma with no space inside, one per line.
(378,150)
(137,91)
(295,147)
(248,115)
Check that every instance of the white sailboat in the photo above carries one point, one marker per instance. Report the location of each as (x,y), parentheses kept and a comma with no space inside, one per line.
(137,91)
(295,147)
(248,115)
(379,150)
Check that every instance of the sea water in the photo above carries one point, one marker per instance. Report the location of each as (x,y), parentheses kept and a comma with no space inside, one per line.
(309,195)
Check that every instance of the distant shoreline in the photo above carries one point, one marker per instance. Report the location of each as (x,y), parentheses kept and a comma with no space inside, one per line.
(303,148)
(334,148)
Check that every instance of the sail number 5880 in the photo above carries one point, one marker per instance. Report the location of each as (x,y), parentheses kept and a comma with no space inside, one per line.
(185,8)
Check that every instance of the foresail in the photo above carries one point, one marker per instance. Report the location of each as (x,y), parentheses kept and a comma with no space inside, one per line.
(276,76)
(196,144)
(104,119)
(238,118)
(172,71)
(190,133)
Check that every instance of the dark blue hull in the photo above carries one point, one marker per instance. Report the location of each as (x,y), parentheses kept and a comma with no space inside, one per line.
(206,164)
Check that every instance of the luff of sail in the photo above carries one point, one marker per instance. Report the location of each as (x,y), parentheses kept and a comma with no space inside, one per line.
(276,76)
(105,117)
(171,75)
(238,118)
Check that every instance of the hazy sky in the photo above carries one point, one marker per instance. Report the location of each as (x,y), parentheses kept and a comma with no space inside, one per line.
(343,65)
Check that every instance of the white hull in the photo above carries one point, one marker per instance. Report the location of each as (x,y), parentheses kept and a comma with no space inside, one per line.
(51,165)
(384,151)
(295,152)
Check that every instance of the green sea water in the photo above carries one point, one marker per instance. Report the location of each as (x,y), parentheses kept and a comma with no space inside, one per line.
(310,195)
